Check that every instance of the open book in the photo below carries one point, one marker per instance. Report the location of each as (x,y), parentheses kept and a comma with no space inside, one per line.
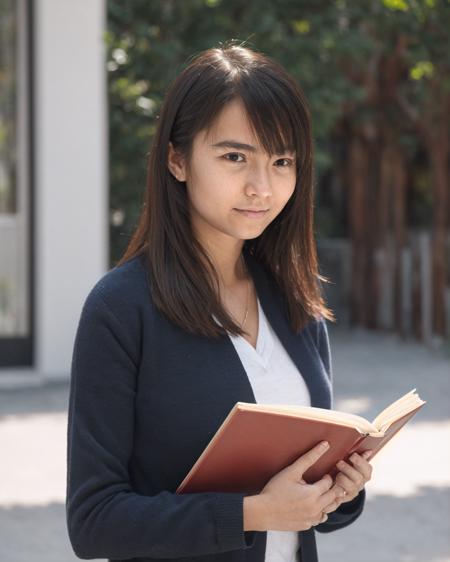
(256,441)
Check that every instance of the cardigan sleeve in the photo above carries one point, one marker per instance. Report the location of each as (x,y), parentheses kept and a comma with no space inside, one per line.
(323,346)
(347,512)
(105,517)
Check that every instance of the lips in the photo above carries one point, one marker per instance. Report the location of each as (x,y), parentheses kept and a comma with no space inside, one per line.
(251,213)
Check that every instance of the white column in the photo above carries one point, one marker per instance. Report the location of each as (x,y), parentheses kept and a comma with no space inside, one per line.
(71,183)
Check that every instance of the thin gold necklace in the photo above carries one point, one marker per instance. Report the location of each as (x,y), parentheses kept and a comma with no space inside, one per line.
(246,305)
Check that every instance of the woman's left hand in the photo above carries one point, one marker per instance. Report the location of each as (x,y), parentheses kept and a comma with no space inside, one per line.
(353,478)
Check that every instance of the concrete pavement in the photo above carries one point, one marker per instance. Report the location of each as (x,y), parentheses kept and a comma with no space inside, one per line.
(407,514)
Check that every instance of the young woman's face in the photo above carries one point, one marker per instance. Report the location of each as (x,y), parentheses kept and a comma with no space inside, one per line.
(235,190)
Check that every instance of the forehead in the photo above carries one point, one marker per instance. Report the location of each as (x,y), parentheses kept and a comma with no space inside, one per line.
(231,122)
(232,128)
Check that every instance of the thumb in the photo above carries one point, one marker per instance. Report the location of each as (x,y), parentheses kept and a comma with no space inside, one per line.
(302,464)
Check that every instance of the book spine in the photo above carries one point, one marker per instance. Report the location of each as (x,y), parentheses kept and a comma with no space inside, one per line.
(357,444)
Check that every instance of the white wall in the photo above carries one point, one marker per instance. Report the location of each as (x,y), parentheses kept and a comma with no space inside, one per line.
(71,183)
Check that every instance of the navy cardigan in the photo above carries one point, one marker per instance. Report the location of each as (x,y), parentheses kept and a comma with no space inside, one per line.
(146,397)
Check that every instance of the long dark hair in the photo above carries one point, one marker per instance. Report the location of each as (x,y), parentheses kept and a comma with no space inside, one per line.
(184,281)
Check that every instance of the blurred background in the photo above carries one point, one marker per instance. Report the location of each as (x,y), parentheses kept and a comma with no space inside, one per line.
(81,84)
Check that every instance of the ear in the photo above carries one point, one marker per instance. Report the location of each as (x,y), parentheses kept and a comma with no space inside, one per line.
(176,164)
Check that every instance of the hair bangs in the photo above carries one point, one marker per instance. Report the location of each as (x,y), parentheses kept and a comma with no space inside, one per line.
(272,127)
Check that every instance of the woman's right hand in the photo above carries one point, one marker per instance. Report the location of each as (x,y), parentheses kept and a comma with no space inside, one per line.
(288,503)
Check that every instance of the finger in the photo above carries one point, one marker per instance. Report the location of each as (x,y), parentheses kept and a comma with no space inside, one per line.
(323,518)
(311,457)
(338,488)
(332,506)
(362,465)
(329,498)
(347,484)
(351,472)
(323,485)
(340,497)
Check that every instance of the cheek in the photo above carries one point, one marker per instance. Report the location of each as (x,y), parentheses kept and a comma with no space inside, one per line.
(208,189)
(290,193)
(208,198)
(285,192)
(292,184)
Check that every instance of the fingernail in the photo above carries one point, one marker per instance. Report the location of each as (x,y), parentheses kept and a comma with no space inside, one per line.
(324,445)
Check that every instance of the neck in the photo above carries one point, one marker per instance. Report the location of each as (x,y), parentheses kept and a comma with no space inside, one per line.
(228,261)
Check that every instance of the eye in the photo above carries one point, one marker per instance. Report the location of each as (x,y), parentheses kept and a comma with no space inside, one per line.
(238,154)
(288,161)
(233,157)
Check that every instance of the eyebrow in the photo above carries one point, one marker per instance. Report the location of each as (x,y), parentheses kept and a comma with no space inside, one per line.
(243,146)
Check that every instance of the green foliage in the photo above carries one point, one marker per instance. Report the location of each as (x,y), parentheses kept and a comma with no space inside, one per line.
(322,43)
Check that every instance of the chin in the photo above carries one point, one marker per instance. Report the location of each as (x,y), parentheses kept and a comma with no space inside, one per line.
(250,234)
(244,233)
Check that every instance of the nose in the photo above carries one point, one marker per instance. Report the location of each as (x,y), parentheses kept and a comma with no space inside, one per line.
(258,182)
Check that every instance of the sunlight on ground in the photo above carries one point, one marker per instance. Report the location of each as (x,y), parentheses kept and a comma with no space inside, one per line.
(353,405)
(418,456)
(41,438)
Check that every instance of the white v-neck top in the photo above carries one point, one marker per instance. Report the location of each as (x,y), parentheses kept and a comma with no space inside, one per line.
(275,380)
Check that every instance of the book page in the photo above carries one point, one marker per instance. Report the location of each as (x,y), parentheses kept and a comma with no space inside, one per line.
(397,409)
(310,412)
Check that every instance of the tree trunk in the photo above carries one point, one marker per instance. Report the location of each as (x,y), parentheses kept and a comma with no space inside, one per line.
(436,140)
(438,154)
(398,206)
(357,182)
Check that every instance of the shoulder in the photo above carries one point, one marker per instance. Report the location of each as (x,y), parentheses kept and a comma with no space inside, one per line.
(127,278)
(123,285)
(116,308)
(318,327)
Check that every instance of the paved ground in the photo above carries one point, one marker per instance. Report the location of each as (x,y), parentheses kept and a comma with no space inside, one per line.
(407,515)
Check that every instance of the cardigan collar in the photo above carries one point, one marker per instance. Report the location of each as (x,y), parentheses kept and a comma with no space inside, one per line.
(300,347)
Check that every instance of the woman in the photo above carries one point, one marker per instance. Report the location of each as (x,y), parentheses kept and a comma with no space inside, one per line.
(216,300)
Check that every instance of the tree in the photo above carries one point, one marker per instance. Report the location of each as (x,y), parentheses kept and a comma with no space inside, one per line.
(364,67)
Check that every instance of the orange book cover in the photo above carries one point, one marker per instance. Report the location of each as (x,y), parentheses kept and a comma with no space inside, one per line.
(256,441)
